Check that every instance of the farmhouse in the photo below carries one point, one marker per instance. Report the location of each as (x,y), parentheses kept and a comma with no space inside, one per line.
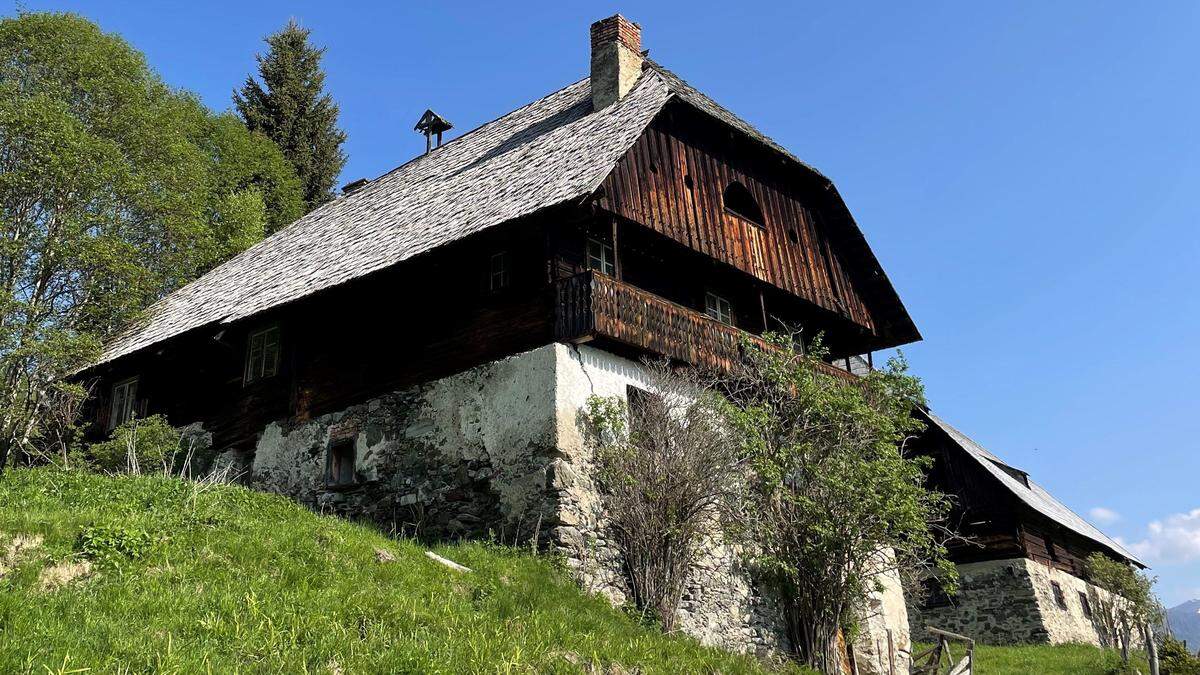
(1021,563)
(417,352)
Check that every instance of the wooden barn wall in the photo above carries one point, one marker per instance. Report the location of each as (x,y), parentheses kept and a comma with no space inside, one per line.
(428,319)
(673,180)
(995,522)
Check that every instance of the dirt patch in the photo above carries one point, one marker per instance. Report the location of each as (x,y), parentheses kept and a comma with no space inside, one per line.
(57,576)
(17,550)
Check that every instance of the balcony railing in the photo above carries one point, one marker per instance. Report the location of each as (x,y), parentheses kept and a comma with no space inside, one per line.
(592,305)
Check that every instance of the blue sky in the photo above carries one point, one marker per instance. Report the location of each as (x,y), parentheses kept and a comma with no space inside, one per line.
(1026,172)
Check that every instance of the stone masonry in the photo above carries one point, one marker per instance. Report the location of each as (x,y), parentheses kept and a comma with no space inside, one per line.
(500,451)
(1013,601)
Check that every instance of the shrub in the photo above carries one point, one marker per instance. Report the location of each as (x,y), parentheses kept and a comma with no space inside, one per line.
(139,446)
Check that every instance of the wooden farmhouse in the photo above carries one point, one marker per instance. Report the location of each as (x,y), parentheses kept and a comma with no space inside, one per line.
(417,352)
(1021,561)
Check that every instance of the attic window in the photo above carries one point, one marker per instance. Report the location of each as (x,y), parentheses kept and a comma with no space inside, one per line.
(1017,474)
(262,354)
(339,464)
(741,203)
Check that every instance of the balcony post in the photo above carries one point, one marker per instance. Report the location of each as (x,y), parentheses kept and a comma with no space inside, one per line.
(616,250)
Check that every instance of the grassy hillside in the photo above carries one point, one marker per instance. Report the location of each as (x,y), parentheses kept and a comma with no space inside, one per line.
(1050,660)
(139,574)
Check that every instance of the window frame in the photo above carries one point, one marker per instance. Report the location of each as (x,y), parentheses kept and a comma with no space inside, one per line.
(499,279)
(1060,598)
(249,374)
(714,310)
(760,221)
(128,403)
(607,257)
(1085,605)
(337,455)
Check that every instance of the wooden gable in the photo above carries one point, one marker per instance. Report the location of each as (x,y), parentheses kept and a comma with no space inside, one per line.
(674,180)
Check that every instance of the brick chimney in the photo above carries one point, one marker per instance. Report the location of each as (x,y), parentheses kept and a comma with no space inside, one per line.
(616,59)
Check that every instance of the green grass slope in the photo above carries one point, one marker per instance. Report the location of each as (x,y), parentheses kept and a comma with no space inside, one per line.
(1049,660)
(143,574)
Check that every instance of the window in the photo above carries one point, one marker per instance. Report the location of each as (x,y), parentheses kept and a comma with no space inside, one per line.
(124,399)
(741,203)
(1050,549)
(718,308)
(262,354)
(498,272)
(646,411)
(600,257)
(1087,606)
(1059,598)
(339,465)
(935,596)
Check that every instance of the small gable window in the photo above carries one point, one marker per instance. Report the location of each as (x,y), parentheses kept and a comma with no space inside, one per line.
(339,465)
(718,308)
(740,202)
(124,398)
(262,354)
(600,257)
(498,272)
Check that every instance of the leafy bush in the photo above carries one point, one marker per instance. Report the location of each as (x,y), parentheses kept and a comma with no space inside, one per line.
(111,545)
(139,446)
(1175,659)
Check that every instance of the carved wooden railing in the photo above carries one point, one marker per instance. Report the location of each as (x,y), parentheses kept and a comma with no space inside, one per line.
(592,304)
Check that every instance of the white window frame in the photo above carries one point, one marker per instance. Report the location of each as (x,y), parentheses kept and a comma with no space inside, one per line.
(498,276)
(600,257)
(123,405)
(718,308)
(267,358)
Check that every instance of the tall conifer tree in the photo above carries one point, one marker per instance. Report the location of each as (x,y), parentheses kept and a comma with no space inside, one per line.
(291,107)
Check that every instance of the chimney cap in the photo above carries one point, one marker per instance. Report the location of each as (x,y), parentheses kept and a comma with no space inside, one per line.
(432,123)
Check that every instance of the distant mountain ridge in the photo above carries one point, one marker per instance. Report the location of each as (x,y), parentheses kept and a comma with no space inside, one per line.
(1185,623)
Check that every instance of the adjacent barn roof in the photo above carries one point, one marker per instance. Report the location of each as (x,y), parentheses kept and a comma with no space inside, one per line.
(1033,495)
(551,151)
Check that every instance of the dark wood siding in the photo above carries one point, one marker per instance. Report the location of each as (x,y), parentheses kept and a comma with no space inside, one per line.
(673,181)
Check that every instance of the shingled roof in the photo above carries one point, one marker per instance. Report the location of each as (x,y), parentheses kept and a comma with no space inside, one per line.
(551,151)
(1033,495)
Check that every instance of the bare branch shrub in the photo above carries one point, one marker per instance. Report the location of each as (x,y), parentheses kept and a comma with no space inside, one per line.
(667,471)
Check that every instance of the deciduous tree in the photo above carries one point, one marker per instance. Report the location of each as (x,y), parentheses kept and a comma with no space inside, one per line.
(114,190)
(834,501)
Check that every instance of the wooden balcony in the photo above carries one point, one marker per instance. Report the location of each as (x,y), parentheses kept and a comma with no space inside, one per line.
(594,305)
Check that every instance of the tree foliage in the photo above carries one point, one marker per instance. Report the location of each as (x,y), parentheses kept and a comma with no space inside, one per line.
(114,190)
(833,501)
(1131,605)
(292,109)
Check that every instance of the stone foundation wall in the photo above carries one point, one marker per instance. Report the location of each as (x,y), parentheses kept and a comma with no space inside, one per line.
(1013,602)
(501,451)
